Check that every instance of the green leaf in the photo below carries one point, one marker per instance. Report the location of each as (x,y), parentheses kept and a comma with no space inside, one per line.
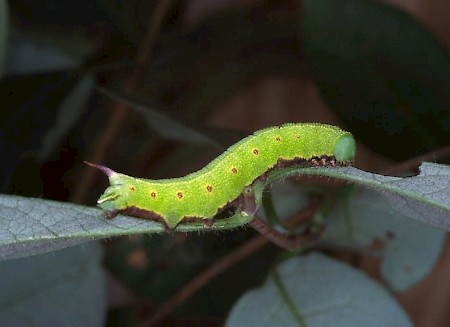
(366,223)
(65,288)
(425,198)
(317,291)
(382,71)
(31,226)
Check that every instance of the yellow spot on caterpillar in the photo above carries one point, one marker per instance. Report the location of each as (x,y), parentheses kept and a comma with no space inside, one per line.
(333,143)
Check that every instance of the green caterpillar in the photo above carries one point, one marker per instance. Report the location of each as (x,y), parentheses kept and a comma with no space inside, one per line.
(203,194)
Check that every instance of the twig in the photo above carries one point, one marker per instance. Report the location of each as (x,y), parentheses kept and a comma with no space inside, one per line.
(287,242)
(258,243)
(120,112)
(415,162)
(218,267)
(202,279)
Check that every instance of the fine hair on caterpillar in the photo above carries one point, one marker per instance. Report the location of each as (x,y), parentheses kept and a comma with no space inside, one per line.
(224,182)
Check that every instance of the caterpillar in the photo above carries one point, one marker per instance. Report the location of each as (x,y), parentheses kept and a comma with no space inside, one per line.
(219,185)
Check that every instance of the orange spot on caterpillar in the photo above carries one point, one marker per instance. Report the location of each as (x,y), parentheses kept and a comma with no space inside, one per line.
(132,188)
(336,147)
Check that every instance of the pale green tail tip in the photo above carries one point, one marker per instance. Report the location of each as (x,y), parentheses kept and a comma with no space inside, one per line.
(345,148)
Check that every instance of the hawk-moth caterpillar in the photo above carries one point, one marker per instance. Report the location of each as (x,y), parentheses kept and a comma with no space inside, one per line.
(203,194)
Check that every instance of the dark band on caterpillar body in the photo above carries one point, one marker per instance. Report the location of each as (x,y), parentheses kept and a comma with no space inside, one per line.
(205,193)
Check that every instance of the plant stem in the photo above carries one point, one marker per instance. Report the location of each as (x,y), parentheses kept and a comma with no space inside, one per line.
(286,242)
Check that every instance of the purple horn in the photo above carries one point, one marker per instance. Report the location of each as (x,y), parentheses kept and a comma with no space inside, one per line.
(107,171)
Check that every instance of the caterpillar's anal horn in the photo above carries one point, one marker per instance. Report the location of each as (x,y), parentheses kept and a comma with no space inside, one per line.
(107,171)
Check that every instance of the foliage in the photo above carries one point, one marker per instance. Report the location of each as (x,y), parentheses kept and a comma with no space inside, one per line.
(376,67)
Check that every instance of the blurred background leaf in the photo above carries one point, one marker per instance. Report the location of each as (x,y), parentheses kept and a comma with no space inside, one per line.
(314,290)
(383,73)
(366,223)
(64,288)
(222,69)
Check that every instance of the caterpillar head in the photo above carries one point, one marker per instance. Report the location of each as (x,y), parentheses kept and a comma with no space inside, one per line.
(117,196)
